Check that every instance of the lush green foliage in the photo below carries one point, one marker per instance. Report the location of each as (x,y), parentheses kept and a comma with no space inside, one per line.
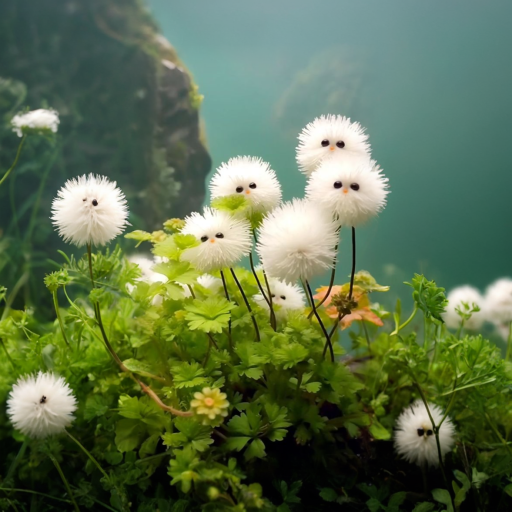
(302,433)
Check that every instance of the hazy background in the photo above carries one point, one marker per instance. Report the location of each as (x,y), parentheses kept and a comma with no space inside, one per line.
(432,83)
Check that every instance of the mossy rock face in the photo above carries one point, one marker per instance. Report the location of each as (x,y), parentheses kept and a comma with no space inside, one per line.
(128,110)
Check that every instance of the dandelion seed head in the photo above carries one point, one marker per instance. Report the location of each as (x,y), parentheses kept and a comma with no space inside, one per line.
(289,297)
(468,295)
(36,121)
(40,406)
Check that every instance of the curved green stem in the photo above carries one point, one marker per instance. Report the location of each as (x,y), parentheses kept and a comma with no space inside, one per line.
(57,311)
(10,299)
(407,322)
(509,343)
(268,299)
(7,353)
(66,484)
(322,326)
(226,293)
(92,459)
(6,175)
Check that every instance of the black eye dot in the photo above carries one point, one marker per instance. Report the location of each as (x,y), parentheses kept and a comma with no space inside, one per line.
(273,296)
(239,189)
(354,186)
(252,185)
(84,199)
(283,297)
(94,202)
(43,400)
(204,238)
(420,432)
(340,144)
(429,432)
(219,235)
(325,143)
(337,184)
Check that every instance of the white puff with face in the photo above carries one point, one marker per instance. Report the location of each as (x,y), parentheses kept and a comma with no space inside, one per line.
(353,190)
(223,240)
(297,240)
(329,137)
(248,176)
(289,297)
(468,295)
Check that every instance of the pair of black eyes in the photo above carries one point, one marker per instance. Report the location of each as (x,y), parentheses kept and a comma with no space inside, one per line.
(340,144)
(218,235)
(43,400)
(421,432)
(94,202)
(241,189)
(282,297)
(353,186)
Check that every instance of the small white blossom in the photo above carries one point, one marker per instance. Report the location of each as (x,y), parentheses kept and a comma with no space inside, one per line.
(223,240)
(414,434)
(330,137)
(250,177)
(353,189)
(297,240)
(36,121)
(456,298)
(288,297)
(42,405)
(89,210)
(498,302)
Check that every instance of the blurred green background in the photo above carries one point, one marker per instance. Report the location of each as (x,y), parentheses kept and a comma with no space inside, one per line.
(432,83)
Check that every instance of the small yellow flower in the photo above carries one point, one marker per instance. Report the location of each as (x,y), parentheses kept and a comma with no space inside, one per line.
(211,404)
(174,224)
(158,236)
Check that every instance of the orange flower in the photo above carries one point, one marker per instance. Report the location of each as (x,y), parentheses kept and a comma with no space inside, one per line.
(361,312)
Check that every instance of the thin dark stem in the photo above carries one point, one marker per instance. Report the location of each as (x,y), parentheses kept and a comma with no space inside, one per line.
(66,484)
(307,294)
(353,263)
(322,326)
(268,299)
(59,318)
(331,283)
(6,175)
(93,460)
(336,324)
(226,293)
(256,329)
(191,290)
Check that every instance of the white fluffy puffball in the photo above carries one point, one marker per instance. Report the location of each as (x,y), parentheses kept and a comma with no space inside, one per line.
(414,435)
(330,137)
(36,121)
(214,284)
(498,302)
(42,405)
(89,210)
(456,298)
(289,297)
(223,240)
(251,177)
(353,189)
(297,240)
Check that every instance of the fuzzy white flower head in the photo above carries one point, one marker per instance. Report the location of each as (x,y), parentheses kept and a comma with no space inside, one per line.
(36,121)
(414,435)
(297,240)
(456,300)
(42,405)
(250,177)
(289,297)
(89,210)
(223,240)
(498,301)
(330,137)
(353,189)
(214,284)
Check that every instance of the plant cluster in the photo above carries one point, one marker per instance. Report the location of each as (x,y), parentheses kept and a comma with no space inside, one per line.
(211,392)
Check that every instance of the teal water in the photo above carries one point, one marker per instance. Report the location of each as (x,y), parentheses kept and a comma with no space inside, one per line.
(432,83)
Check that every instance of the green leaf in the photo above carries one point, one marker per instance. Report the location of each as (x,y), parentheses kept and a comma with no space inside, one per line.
(443,496)
(328,494)
(374,505)
(140,367)
(290,355)
(424,506)
(140,236)
(182,468)
(235,203)
(236,443)
(190,433)
(255,450)
(95,406)
(378,431)
(428,297)
(129,434)
(177,271)
(210,315)
(188,375)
